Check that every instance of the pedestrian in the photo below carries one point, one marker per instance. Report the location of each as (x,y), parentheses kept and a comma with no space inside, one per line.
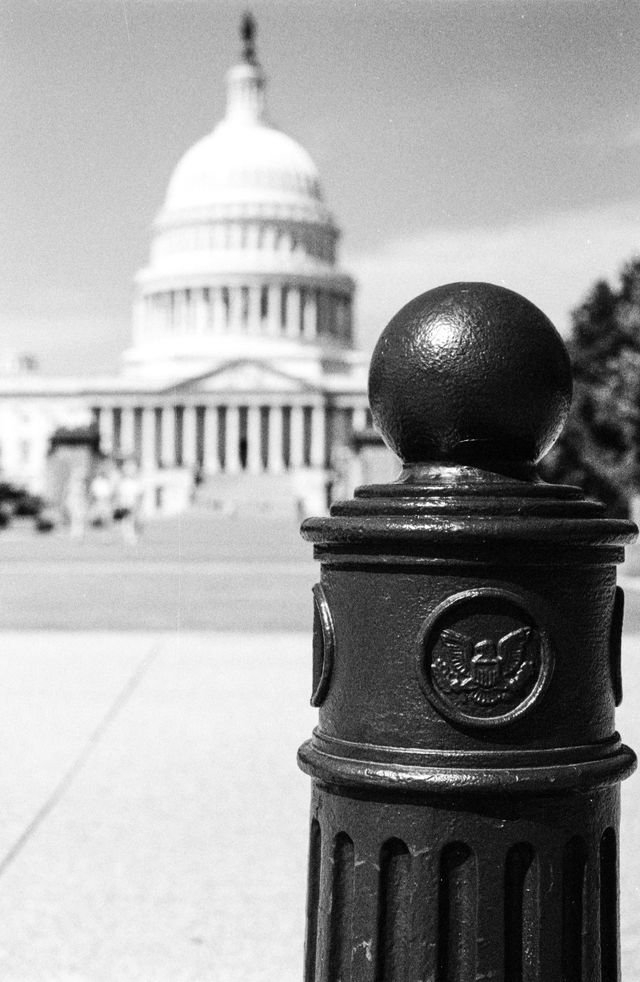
(101,492)
(76,504)
(128,501)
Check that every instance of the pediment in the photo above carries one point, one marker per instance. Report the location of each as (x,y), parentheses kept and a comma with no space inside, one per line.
(245,377)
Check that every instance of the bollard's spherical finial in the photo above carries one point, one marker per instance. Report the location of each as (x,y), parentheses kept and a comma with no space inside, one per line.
(470,373)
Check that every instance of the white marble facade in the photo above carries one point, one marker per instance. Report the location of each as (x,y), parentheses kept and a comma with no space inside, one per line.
(242,364)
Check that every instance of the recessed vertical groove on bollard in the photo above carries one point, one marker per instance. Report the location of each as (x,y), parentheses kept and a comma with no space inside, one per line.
(550,913)
(393,912)
(521,914)
(458,914)
(341,914)
(609,940)
(574,871)
(466,672)
(313,900)
(423,914)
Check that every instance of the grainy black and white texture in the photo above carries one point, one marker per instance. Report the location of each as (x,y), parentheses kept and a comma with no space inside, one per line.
(466,766)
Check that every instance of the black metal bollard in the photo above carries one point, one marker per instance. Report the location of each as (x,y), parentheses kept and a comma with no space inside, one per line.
(466,767)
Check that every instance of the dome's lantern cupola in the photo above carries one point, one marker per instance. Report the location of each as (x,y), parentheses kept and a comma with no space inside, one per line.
(246,82)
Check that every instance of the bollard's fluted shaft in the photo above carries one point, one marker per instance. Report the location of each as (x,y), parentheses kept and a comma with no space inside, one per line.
(466,766)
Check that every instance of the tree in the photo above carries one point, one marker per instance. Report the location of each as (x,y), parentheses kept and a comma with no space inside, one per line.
(599,447)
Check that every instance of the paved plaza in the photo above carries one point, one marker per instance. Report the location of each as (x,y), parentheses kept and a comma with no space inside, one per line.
(198,571)
(154,822)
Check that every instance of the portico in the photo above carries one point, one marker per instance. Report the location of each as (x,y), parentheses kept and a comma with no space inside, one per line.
(225,433)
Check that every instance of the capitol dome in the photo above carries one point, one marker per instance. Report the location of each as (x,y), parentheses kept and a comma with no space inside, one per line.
(242,374)
(248,163)
(243,257)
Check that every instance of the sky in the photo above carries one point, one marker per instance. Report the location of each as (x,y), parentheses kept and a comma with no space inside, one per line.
(456,139)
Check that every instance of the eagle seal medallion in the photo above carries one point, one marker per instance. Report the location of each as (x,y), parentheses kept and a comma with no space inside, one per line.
(483,659)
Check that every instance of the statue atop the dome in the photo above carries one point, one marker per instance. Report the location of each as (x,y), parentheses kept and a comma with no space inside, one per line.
(248,36)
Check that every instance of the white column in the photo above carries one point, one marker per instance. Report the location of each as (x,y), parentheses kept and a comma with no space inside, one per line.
(232,440)
(317,437)
(321,312)
(293,312)
(178,308)
(275,462)
(254,310)
(235,309)
(148,439)
(253,237)
(310,315)
(200,305)
(254,456)
(217,310)
(153,314)
(189,456)
(106,429)
(183,321)
(296,437)
(273,313)
(162,323)
(127,443)
(189,310)
(207,297)
(168,437)
(211,459)
(359,419)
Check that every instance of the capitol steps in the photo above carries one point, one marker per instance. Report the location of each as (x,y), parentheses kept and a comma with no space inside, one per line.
(272,495)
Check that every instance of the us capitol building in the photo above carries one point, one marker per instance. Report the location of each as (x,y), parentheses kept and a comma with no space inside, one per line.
(242,368)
